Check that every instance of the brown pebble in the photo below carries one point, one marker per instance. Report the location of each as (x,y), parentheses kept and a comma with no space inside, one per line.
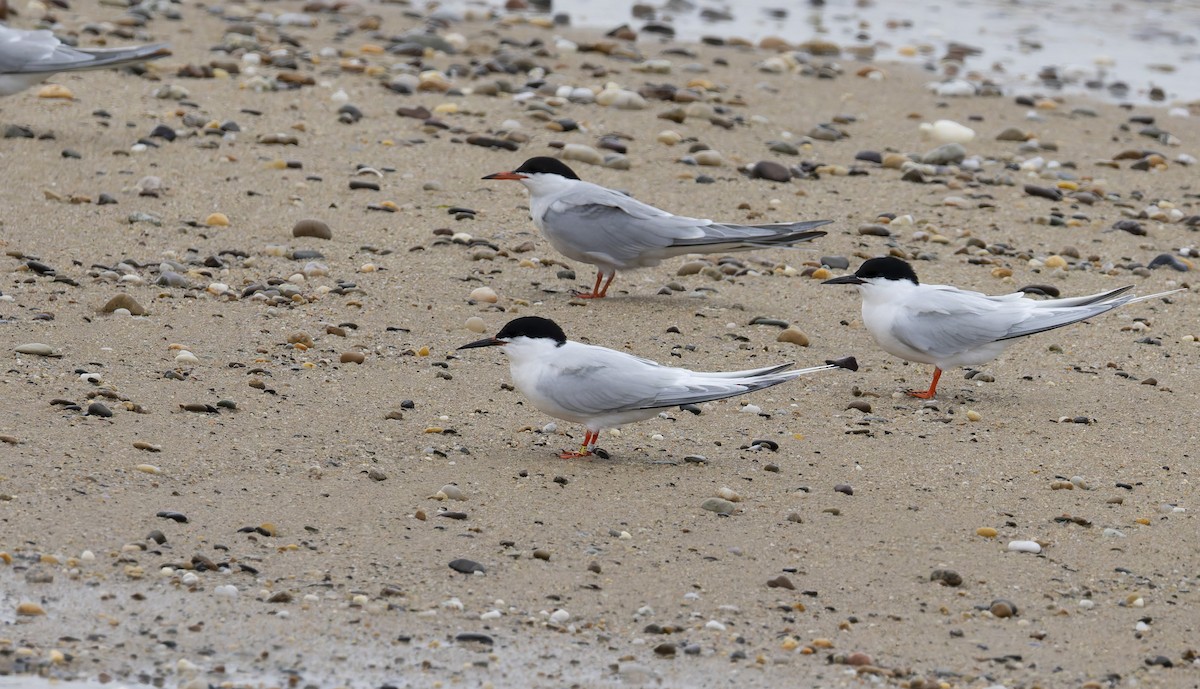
(124,301)
(312,228)
(353,357)
(781,582)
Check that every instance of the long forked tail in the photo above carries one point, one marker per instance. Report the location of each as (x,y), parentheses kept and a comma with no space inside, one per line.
(117,57)
(728,237)
(720,386)
(1067,314)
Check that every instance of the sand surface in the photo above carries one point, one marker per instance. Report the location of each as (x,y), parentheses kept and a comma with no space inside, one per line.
(349,583)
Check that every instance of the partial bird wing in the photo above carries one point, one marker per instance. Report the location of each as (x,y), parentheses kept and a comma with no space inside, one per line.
(946,320)
(40,52)
(612,381)
(943,320)
(614,228)
(619,229)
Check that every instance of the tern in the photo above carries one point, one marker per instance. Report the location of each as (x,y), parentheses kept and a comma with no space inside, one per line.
(602,388)
(612,231)
(949,327)
(28,57)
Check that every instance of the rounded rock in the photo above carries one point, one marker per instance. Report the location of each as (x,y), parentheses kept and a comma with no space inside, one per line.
(312,228)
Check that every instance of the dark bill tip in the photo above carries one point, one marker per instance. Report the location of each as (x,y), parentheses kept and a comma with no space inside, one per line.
(845,280)
(485,342)
(846,362)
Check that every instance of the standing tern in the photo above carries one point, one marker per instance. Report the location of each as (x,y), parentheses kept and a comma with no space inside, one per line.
(948,327)
(612,231)
(600,387)
(28,57)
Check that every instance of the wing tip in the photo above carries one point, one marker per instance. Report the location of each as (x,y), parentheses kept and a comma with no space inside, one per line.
(847,362)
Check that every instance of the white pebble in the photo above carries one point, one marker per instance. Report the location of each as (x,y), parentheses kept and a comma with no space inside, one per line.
(226,591)
(751,409)
(1024,546)
(475,324)
(560,616)
(1087,603)
(948,132)
(715,626)
(186,357)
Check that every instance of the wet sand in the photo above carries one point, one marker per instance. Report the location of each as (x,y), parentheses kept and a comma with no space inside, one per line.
(347,581)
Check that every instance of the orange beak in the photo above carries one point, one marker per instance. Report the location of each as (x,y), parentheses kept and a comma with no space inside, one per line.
(506,175)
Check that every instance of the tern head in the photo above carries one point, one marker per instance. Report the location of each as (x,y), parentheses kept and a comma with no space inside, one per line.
(525,334)
(539,171)
(878,271)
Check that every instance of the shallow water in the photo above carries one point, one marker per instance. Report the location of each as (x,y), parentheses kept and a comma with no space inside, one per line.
(1144,44)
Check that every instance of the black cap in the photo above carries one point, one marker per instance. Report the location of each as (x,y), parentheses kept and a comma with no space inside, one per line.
(546,165)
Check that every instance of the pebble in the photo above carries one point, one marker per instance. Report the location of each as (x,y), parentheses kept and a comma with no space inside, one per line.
(217,220)
(30,609)
(37,349)
(466,566)
(844,488)
(312,228)
(769,170)
(946,577)
(1024,547)
(124,301)
(475,324)
(946,154)
(718,505)
(781,582)
(948,132)
(582,153)
(352,357)
(793,335)
(484,294)
(1002,608)
(986,532)
(98,409)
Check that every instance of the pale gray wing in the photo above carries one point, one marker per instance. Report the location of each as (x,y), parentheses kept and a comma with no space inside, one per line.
(608,381)
(19,50)
(948,321)
(616,228)
(40,52)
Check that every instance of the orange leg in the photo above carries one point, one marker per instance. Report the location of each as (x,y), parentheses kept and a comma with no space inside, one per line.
(928,394)
(598,292)
(589,441)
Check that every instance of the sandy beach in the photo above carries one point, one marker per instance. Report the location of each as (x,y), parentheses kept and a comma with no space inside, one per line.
(251,507)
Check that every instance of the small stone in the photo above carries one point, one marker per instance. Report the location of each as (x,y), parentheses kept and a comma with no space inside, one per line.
(55,91)
(37,349)
(793,335)
(1002,608)
(1024,547)
(466,566)
(484,294)
(312,228)
(718,505)
(781,582)
(98,409)
(973,415)
(475,324)
(946,577)
(352,357)
(769,170)
(124,301)
(986,532)
(217,220)
(30,609)
(844,488)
